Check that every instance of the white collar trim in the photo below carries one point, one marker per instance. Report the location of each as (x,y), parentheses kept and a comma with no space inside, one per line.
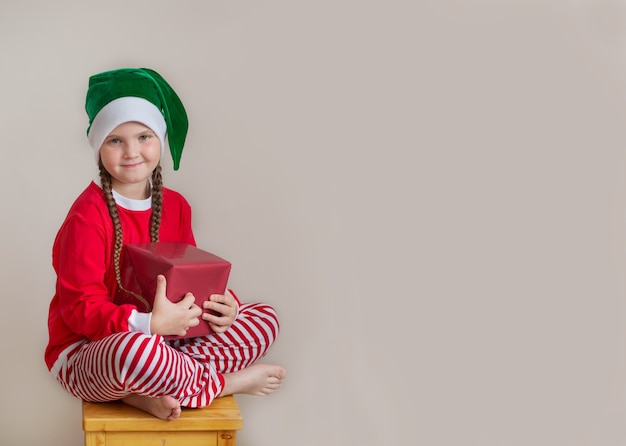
(128,203)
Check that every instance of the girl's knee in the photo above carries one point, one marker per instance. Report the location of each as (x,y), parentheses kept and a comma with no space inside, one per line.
(260,311)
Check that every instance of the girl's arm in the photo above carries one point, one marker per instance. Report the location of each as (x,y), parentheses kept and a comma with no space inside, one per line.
(84,284)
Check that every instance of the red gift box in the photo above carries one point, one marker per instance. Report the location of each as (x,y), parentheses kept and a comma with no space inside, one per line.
(186,269)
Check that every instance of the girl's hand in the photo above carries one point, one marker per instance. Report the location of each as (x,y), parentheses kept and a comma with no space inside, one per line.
(169,318)
(222,311)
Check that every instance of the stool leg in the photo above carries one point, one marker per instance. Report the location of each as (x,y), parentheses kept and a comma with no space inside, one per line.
(95,439)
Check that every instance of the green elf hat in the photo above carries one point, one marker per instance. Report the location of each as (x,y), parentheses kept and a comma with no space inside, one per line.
(135,94)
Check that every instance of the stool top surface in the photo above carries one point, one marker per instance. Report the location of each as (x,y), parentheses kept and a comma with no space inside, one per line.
(222,414)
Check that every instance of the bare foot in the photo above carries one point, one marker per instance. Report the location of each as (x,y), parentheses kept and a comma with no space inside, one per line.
(165,407)
(258,379)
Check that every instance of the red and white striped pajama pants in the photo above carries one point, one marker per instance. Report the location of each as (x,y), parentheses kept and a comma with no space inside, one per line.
(189,370)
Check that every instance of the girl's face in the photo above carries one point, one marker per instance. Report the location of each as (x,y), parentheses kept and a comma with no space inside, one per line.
(130,153)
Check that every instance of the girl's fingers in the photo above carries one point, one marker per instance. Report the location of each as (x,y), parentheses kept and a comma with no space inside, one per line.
(161,287)
(188,301)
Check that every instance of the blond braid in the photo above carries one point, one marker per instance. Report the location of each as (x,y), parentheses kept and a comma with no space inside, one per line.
(107,188)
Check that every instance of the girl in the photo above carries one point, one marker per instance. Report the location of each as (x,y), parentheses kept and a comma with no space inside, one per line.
(101,351)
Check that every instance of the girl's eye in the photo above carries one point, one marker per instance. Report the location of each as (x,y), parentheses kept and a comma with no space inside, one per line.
(114,141)
(144,137)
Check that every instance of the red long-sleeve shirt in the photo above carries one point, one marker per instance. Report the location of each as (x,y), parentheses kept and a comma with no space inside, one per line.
(82,256)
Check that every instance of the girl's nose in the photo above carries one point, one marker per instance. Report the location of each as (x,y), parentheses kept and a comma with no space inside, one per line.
(131,149)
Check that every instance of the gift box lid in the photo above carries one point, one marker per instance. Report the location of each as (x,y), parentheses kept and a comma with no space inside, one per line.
(172,253)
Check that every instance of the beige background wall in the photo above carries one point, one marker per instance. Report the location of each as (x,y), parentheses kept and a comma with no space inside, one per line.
(432,193)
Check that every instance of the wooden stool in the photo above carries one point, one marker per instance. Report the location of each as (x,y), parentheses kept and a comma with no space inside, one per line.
(117,424)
